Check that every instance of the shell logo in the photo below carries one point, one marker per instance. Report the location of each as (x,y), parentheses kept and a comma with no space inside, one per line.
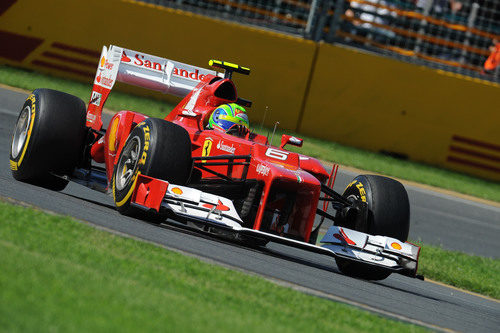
(103,61)
(176,190)
(396,246)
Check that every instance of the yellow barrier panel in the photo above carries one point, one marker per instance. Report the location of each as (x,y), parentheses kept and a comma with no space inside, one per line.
(355,98)
(65,37)
(380,104)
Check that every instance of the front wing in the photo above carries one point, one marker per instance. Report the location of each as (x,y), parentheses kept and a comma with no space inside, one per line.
(213,211)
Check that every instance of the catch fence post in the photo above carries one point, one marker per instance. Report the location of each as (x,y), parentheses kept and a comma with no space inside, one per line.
(310,19)
(470,24)
(423,23)
(321,20)
(335,21)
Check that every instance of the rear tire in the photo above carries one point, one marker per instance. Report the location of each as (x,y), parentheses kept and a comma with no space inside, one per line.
(388,215)
(48,139)
(156,148)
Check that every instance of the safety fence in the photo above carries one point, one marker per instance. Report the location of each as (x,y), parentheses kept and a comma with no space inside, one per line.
(462,36)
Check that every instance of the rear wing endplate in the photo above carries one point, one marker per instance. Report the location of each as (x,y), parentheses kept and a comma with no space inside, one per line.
(143,70)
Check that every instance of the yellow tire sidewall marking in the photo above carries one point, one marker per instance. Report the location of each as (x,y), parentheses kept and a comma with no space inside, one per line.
(142,161)
(360,187)
(129,193)
(15,165)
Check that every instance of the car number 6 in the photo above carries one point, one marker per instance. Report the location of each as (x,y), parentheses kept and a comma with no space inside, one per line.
(277,154)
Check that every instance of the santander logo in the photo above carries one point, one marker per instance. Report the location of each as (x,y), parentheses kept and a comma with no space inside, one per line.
(125,58)
(141,60)
(229,149)
(104,81)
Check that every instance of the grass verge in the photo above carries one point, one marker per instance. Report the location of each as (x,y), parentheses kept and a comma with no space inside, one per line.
(325,150)
(60,275)
(465,271)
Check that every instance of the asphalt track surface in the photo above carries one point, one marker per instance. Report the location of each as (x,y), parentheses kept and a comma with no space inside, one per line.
(436,218)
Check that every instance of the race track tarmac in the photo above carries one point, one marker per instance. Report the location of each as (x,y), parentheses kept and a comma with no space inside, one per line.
(436,218)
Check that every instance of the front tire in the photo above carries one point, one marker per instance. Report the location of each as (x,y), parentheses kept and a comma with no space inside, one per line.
(48,138)
(156,148)
(388,215)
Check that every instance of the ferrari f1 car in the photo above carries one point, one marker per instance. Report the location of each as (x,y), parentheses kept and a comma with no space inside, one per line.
(178,171)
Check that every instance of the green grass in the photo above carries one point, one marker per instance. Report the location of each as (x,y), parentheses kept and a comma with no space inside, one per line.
(61,275)
(478,274)
(324,150)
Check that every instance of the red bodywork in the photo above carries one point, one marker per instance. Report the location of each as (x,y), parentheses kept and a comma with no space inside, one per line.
(281,172)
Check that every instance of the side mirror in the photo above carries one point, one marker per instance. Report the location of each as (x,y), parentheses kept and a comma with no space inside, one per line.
(292,140)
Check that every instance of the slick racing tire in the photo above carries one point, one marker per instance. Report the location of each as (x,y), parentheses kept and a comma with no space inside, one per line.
(156,148)
(48,138)
(388,215)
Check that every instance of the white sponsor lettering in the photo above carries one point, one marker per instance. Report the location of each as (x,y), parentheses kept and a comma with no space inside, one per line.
(91,117)
(226,148)
(263,169)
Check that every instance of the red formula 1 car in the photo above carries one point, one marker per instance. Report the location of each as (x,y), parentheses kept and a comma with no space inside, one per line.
(238,186)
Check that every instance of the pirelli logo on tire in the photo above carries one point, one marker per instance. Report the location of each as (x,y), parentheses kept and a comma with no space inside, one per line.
(13,165)
(141,136)
(360,187)
(147,138)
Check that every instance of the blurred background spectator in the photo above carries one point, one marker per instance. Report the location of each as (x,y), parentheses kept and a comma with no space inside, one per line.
(492,64)
(364,14)
(453,35)
(439,6)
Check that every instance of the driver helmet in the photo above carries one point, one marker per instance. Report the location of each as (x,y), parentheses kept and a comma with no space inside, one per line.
(229,118)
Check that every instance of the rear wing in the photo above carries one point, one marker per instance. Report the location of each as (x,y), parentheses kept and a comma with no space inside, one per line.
(143,70)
